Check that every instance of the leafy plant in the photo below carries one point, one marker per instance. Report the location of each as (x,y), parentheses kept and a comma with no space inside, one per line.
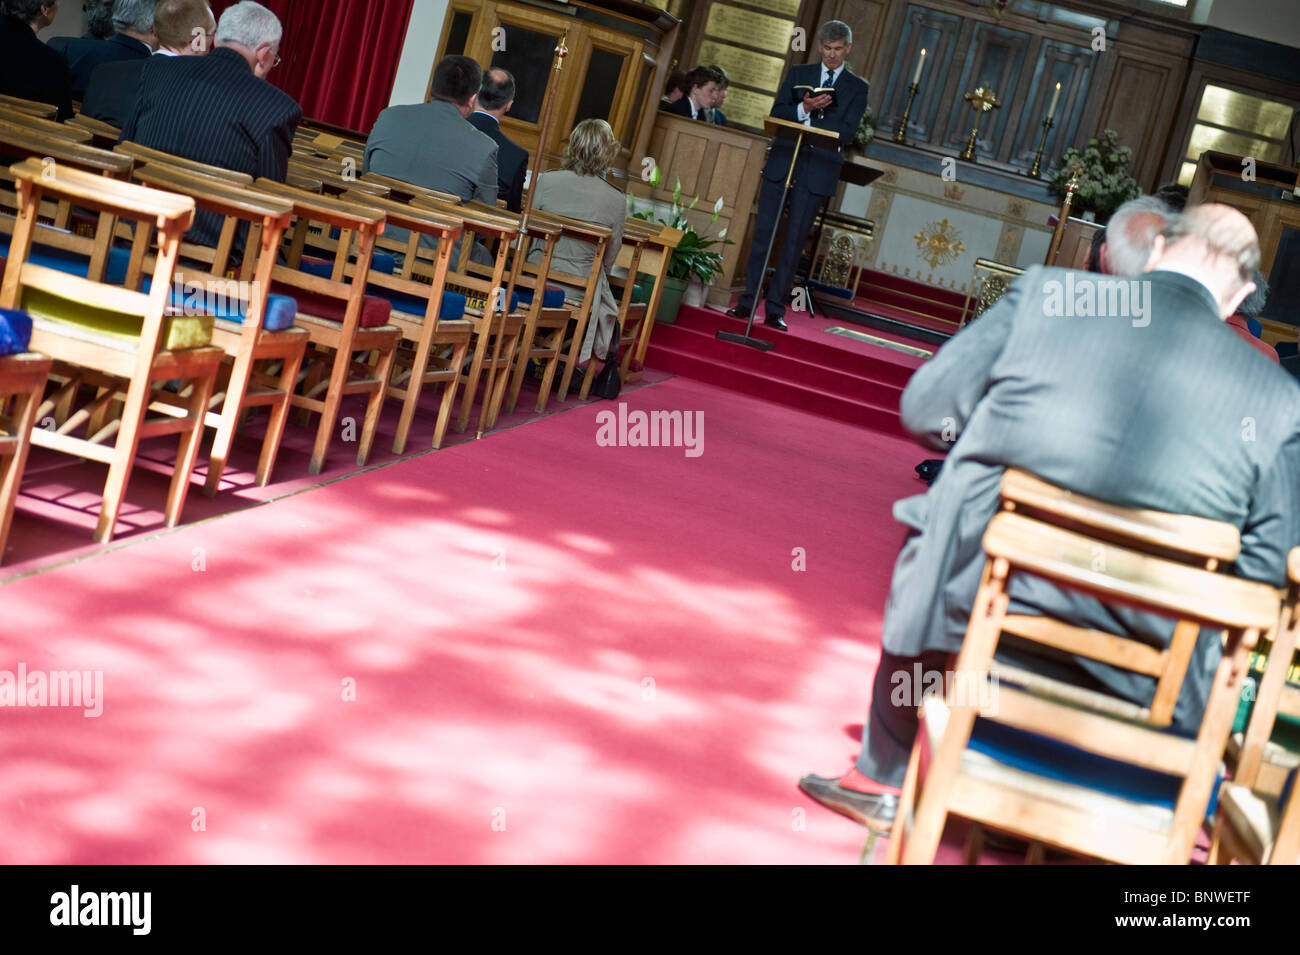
(866,131)
(695,255)
(1104,180)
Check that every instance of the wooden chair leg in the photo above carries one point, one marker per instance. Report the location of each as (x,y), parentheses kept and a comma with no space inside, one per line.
(471,384)
(974,844)
(414,386)
(521,366)
(906,805)
(22,419)
(227,424)
(449,394)
(279,416)
(119,471)
(330,413)
(188,452)
(383,368)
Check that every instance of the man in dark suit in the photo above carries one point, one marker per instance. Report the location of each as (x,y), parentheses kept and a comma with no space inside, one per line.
(715,114)
(28,68)
(702,84)
(184,28)
(134,40)
(1146,399)
(219,109)
(99,26)
(495,97)
(817,172)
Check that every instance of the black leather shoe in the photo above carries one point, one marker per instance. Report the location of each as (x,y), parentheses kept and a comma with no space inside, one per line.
(738,312)
(777,322)
(874,812)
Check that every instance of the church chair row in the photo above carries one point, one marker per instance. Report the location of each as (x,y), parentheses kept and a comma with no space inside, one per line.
(331,374)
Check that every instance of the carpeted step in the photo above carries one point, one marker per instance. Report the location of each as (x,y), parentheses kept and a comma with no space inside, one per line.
(912,303)
(882,365)
(817,401)
(867,387)
(887,280)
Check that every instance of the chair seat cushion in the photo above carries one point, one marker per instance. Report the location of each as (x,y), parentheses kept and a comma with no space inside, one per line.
(451,309)
(375,311)
(15,331)
(553,297)
(280,309)
(380,261)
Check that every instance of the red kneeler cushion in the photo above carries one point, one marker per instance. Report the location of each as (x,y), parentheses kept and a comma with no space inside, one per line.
(375,311)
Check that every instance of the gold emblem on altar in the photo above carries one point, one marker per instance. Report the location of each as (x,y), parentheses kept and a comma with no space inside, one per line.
(954,192)
(939,243)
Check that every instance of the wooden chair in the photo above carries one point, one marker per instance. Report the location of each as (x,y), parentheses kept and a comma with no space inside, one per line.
(43,110)
(143,155)
(105,135)
(23,141)
(488,290)
(1145,560)
(417,311)
(45,127)
(656,258)
(111,337)
(352,322)
(405,191)
(22,382)
(582,286)
(240,330)
(1258,819)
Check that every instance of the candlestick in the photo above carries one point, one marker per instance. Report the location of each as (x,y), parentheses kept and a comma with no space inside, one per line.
(1042,144)
(916,77)
(907,111)
(1051,110)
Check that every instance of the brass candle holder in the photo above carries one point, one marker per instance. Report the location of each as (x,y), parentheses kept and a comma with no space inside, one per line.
(1042,144)
(907,111)
(982,100)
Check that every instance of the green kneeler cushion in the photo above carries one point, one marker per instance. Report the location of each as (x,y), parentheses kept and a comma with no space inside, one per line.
(179,331)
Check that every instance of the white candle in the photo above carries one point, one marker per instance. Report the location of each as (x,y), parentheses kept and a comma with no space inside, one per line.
(1055,96)
(916,77)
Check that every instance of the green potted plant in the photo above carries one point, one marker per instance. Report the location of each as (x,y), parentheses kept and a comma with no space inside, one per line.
(865,134)
(1104,180)
(695,256)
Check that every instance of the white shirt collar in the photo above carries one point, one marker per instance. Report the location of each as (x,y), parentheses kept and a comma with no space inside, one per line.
(163,51)
(489,115)
(835,74)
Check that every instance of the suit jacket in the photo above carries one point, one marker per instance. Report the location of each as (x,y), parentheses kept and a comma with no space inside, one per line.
(112,91)
(212,109)
(432,145)
(512,160)
(821,176)
(590,199)
(117,47)
(31,70)
(1171,412)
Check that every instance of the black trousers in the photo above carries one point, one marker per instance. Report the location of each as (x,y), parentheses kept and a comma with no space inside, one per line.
(802,206)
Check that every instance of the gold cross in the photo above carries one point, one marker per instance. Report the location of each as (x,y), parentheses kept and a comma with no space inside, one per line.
(983,99)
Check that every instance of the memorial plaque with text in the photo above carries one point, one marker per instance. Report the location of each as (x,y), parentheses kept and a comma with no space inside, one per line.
(745,108)
(743,66)
(752,29)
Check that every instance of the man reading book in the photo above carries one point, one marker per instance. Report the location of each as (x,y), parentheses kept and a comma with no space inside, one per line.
(825,95)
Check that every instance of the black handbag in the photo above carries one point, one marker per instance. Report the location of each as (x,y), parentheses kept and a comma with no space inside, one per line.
(608,384)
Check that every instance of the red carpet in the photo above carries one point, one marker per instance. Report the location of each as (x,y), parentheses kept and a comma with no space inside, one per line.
(603,651)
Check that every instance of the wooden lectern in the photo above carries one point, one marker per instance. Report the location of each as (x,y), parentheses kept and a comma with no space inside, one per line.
(1266,194)
(798,132)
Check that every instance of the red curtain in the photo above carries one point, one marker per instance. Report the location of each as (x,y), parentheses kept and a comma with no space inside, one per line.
(338,58)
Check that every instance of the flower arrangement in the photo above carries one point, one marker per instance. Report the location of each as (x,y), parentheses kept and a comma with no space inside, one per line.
(1104,180)
(695,255)
(866,131)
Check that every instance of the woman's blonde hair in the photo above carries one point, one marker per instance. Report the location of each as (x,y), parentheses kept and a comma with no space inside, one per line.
(591,149)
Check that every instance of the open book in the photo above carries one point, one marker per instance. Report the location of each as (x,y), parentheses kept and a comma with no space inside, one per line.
(804,89)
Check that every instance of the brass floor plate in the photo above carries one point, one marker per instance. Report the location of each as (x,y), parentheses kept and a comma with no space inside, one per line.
(882,342)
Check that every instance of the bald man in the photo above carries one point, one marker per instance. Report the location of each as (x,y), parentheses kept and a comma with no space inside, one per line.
(1138,399)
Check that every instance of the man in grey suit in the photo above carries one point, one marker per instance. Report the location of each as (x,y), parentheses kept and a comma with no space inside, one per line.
(1144,398)
(433,144)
